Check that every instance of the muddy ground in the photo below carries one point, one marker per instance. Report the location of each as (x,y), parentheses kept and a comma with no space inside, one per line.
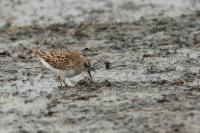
(146,78)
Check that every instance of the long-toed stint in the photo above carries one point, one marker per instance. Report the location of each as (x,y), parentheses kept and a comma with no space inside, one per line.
(64,63)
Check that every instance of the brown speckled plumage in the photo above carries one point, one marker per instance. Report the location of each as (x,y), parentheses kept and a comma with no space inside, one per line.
(64,63)
(61,59)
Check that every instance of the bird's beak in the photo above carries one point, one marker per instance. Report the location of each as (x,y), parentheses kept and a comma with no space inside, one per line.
(89,74)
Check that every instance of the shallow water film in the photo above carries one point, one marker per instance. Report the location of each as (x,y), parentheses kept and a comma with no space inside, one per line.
(146,59)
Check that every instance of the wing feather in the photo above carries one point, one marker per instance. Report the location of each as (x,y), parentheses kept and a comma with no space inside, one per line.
(60,59)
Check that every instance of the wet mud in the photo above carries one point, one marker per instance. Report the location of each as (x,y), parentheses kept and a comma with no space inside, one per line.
(146,77)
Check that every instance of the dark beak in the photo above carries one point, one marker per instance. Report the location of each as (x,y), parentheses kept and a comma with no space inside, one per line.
(89,74)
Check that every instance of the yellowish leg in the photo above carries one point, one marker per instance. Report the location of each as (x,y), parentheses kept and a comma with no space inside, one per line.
(63,80)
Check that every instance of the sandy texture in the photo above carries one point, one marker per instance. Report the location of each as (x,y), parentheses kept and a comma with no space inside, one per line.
(146,56)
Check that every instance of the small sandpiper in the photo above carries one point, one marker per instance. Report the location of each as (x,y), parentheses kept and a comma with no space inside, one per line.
(64,63)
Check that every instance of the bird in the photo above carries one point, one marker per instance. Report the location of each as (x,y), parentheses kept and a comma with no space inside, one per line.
(64,63)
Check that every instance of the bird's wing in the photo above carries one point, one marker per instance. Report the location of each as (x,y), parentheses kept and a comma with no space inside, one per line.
(60,59)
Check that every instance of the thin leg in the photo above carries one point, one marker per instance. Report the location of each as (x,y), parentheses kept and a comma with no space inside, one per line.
(63,80)
(59,78)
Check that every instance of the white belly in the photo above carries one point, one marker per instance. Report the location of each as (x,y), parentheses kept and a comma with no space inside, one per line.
(63,73)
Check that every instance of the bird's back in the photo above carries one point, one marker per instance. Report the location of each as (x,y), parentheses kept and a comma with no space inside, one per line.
(61,60)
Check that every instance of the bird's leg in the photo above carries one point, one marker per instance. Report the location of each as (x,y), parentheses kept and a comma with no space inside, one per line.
(59,78)
(63,80)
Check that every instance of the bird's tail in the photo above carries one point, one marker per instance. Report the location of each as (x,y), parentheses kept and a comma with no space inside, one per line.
(39,53)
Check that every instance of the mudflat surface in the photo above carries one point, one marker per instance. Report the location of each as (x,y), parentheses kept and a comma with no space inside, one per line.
(147,68)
